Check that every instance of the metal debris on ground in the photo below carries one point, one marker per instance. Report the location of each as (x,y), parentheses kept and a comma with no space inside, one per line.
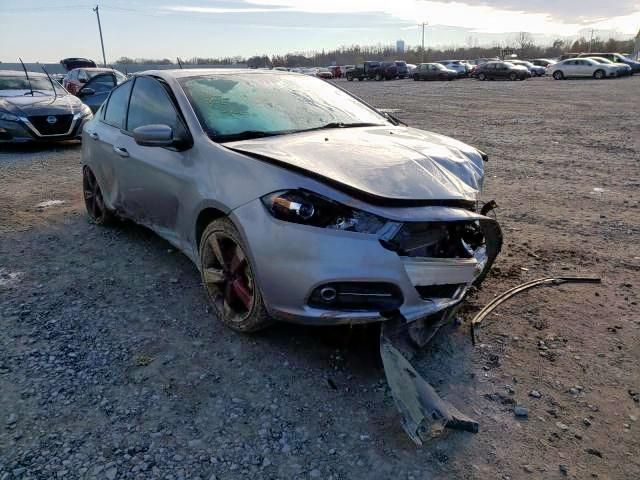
(424,414)
(551,281)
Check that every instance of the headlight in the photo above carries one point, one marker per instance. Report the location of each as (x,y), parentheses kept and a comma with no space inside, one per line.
(85,110)
(9,117)
(308,208)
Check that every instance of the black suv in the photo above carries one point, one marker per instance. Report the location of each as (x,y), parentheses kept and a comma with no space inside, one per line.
(403,70)
(373,71)
(501,70)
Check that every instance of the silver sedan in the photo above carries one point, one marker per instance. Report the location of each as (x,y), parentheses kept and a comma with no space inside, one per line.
(296,200)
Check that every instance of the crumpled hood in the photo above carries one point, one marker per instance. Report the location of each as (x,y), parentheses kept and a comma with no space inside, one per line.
(396,163)
(28,105)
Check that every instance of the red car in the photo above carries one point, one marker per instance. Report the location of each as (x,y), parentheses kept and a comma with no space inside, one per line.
(76,78)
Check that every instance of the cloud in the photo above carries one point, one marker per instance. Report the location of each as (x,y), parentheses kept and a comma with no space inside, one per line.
(572,11)
(537,16)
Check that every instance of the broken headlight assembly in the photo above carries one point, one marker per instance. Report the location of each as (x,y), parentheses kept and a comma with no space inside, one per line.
(308,208)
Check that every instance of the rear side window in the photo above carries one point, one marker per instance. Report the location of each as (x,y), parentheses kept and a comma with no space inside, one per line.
(102,83)
(150,105)
(116,110)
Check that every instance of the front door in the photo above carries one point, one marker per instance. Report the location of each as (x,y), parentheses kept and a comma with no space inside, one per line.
(154,179)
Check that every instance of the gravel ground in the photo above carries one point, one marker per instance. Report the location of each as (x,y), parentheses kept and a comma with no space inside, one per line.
(111,365)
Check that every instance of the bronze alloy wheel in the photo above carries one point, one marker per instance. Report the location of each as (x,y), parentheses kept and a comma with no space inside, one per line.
(93,201)
(229,280)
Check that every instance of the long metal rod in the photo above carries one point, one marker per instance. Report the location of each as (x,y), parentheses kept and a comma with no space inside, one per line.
(104,58)
(422,61)
(26,75)
(489,307)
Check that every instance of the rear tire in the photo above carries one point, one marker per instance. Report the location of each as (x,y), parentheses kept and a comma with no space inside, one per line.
(228,278)
(558,75)
(349,78)
(97,210)
(513,77)
(378,77)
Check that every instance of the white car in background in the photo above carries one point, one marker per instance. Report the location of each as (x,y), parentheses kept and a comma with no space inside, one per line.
(536,71)
(623,68)
(581,67)
(457,65)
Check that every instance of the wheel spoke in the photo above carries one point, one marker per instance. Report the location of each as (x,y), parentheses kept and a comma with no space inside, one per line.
(242,292)
(238,260)
(90,179)
(99,203)
(94,202)
(213,276)
(214,243)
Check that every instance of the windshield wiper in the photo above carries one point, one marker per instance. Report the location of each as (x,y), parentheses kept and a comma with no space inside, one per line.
(246,135)
(341,125)
(41,92)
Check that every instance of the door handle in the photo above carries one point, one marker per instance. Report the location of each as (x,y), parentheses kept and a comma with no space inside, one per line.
(121,151)
(94,135)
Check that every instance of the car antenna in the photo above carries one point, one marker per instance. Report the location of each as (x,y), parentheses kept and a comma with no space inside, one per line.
(55,92)
(27,75)
(179,62)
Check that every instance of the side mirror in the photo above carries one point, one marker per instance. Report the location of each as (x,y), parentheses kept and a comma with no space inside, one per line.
(86,91)
(83,80)
(153,135)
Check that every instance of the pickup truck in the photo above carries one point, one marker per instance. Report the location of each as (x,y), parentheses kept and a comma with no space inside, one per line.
(373,71)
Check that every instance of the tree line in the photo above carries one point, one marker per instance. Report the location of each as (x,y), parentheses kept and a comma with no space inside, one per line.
(523,45)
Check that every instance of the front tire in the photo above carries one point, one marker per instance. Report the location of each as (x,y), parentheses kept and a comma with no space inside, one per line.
(378,77)
(513,77)
(229,280)
(599,74)
(482,77)
(558,75)
(93,199)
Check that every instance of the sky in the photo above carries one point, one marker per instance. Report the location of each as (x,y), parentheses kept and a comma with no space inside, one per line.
(48,30)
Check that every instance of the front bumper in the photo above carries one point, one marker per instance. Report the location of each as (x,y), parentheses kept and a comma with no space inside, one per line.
(24,131)
(291,261)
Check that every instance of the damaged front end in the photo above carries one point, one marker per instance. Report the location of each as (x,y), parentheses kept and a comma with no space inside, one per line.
(424,414)
(443,259)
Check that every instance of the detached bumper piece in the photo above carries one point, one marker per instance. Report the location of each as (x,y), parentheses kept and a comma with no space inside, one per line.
(424,414)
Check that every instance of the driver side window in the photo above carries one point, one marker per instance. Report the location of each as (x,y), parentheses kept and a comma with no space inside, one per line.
(150,105)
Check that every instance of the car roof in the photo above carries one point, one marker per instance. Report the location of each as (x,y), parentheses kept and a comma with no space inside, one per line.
(94,69)
(198,72)
(13,73)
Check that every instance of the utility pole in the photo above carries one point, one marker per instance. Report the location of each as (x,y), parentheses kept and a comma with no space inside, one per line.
(591,41)
(104,58)
(423,24)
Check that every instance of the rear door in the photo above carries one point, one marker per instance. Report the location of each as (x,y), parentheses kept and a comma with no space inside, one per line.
(154,178)
(99,139)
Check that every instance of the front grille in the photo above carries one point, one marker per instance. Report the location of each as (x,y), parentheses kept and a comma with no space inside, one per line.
(435,239)
(60,127)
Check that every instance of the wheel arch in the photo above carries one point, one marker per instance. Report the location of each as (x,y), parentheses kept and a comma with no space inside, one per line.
(207,214)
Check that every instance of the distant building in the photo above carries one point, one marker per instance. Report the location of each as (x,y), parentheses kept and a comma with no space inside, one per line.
(636,49)
(400,46)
